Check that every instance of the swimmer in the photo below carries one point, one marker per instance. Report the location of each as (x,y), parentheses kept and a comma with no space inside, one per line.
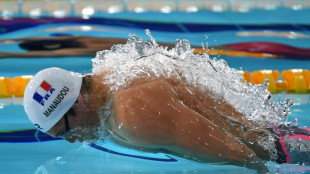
(86,46)
(282,50)
(62,46)
(154,114)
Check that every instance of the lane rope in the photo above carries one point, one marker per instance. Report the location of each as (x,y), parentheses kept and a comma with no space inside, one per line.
(292,81)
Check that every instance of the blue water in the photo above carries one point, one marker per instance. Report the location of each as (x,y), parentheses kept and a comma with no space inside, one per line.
(33,152)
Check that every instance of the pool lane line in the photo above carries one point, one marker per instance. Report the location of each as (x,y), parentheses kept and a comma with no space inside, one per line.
(25,136)
(169,159)
(34,136)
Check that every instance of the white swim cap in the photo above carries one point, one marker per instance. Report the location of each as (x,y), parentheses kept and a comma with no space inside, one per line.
(49,95)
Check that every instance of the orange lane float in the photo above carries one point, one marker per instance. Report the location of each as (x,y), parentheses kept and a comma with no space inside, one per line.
(19,84)
(259,77)
(5,87)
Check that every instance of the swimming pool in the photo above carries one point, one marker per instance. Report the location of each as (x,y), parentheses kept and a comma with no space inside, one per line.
(24,150)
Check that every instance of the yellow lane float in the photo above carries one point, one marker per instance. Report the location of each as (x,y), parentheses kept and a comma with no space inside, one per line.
(297,80)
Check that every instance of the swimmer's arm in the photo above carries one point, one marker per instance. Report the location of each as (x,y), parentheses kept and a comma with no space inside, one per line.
(84,39)
(202,139)
(42,38)
(53,53)
(161,120)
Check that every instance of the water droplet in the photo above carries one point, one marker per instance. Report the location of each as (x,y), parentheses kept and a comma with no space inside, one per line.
(120,125)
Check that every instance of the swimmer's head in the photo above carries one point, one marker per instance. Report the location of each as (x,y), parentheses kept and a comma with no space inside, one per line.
(49,95)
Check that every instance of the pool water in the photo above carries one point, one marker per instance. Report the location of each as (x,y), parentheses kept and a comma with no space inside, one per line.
(24,150)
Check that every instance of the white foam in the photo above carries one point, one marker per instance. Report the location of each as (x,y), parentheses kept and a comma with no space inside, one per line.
(142,59)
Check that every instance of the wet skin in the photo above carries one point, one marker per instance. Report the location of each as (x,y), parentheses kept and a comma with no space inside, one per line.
(165,114)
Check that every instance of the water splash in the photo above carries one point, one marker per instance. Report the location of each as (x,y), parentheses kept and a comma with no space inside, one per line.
(143,59)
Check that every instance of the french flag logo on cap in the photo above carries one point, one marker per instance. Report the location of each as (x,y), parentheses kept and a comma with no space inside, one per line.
(43,92)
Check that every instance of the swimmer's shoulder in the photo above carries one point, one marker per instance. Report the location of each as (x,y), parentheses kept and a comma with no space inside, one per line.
(136,108)
(142,101)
